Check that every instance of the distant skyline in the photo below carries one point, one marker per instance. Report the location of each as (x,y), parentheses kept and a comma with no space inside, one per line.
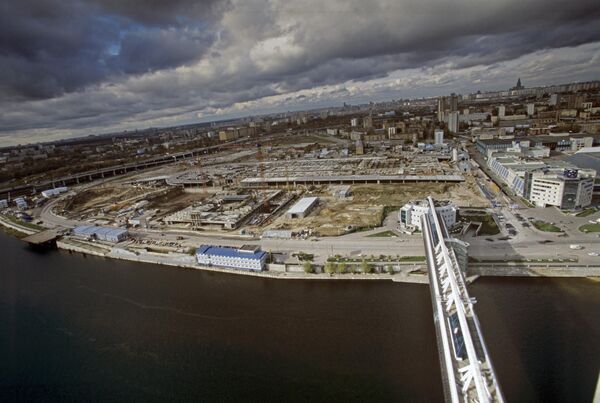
(76,67)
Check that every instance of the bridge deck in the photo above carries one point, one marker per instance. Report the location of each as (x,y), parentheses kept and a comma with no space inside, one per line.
(467,370)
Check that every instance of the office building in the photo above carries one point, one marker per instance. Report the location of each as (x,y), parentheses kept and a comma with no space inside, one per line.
(410,214)
(572,189)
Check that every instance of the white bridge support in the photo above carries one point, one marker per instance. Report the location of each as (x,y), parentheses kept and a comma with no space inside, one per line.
(467,370)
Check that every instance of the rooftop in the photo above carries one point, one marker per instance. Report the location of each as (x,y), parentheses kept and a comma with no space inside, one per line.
(230,252)
(302,205)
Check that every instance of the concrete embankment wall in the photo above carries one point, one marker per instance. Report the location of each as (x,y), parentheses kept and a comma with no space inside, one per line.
(500,270)
(77,248)
(8,224)
(185,261)
(294,272)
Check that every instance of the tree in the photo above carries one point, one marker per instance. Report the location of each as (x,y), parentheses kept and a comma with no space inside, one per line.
(366,267)
(341,267)
(308,267)
(390,269)
(329,267)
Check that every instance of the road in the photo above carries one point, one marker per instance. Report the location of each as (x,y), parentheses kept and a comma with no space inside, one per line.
(528,243)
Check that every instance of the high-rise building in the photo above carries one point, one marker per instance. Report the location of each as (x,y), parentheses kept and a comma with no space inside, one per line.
(439,136)
(354,122)
(501,111)
(368,122)
(453,122)
(553,100)
(530,109)
(441,108)
(453,104)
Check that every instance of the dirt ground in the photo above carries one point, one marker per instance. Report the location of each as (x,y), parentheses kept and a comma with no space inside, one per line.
(115,197)
(365,208)
(175,199)
(111,197)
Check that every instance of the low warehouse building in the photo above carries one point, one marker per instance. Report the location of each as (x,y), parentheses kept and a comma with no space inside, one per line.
(108,234)
(302,207)
(244,258)
(53,192)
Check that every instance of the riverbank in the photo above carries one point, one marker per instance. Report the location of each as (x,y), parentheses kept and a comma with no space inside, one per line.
(13,226)
(275,271)
(406,272)
(295,272)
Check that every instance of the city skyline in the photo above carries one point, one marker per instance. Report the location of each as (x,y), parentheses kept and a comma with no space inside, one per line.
(81,67)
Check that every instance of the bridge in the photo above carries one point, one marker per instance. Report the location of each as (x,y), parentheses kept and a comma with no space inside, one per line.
(467,370)
(121,169)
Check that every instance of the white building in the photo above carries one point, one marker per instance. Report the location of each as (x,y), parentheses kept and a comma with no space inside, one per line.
(245,258)
(439,136)
(21,203)
(453,122)
(530,109)
(570,190)
(410,214)
(108,234)
(354,122)
(501,111)
(53,192)
(302,207)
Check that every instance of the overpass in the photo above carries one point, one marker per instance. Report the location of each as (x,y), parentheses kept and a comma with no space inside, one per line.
(121,169)
(467,370)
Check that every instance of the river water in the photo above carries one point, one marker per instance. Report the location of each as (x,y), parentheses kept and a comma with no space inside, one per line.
(76,328)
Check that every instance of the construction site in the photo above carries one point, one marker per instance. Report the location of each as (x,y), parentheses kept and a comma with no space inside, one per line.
(248,189)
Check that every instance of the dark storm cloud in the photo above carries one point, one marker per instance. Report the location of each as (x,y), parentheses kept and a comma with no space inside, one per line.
(49,47)
(148,50)
(78,64)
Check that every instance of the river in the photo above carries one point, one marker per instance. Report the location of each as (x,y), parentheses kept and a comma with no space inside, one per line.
(76,328)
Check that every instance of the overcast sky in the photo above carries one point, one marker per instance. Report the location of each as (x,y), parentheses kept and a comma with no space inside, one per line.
(76,67)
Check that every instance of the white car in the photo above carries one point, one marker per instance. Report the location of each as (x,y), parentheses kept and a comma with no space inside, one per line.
(594,254)
(576,247)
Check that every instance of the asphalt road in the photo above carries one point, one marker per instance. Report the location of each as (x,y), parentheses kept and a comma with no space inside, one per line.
(528,243)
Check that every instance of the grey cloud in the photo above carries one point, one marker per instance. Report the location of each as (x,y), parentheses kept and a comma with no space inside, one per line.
(74,64)
(51,47)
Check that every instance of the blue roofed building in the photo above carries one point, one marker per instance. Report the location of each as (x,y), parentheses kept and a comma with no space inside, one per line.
(247,257)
